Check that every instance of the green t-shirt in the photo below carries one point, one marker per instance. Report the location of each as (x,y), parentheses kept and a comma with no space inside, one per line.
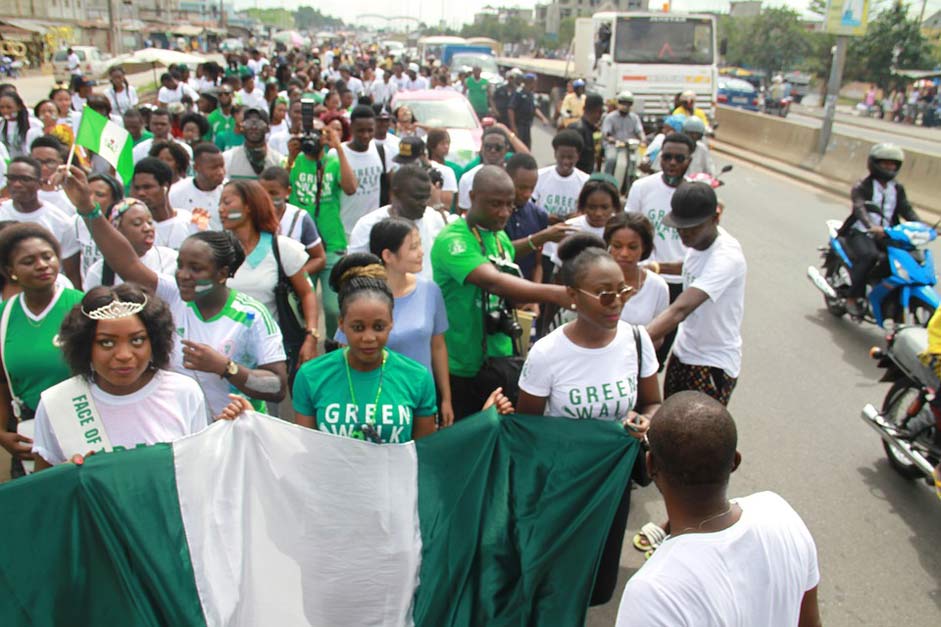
(322,389)
(477,94)
(229,139)
(144,136)
(454,255)
(304,194)
(33,358)
(220,122)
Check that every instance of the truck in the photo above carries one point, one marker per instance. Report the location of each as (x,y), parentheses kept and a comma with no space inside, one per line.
(654,55)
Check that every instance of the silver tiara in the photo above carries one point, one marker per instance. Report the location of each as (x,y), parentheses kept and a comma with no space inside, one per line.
(116,309)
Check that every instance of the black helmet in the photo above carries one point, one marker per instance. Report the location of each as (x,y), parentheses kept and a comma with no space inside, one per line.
(884,152)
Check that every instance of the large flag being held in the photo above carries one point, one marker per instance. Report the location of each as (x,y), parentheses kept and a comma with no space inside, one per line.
(105,138)
(498,520)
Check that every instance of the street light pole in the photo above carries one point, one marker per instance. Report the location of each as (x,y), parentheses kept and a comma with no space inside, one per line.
(833,91)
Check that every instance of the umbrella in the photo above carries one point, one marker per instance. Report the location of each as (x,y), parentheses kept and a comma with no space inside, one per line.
(291,39)
(154,57)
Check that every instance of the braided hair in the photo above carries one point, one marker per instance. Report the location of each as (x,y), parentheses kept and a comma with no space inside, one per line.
(357,275)
(226,249)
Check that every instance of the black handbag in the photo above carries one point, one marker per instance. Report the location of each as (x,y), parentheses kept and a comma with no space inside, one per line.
(499,371)
(639,473)
(293,331)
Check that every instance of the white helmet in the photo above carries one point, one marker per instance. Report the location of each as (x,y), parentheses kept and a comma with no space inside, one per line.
(626,96)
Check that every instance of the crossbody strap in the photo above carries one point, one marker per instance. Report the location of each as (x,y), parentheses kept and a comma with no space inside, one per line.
(4,323)
(282,276)
(640,352)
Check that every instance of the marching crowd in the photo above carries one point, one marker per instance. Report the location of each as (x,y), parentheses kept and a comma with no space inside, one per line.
(139,311)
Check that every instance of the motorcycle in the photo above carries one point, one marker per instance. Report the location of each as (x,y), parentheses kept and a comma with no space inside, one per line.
(777,106)
(903,295)
(625,165)
(909,425)
(712,181)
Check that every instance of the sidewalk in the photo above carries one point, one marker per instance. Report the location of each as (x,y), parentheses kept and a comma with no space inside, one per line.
(848,115)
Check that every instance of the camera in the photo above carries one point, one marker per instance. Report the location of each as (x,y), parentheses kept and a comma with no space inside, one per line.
(437,179)
(311,139)
(502,320)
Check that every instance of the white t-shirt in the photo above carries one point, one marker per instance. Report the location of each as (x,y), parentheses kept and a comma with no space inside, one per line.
(185,195)
(712,334)
(122,100)
(646,304)
(556,194)
(258,274)
(142,149)
(166,96)
(390,144)
(299,226)
(242,331)
(58,198)
(449,184)
(580,383)
(159,259)
(429,226)
(753,573)
(464,187)
(367,166)
(169,407)
(551,249)
(172,232)
(56,220)
(253,100)
(356,86)
(651,197)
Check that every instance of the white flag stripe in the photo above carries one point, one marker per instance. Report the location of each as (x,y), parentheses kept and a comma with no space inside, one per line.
(274,488)
(112,142)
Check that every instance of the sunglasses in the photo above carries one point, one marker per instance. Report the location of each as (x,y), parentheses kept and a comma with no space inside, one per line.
(495,147)
(607,298)
(672,156)
(21,178)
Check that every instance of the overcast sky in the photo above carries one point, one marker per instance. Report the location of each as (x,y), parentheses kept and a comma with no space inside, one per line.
(457,12)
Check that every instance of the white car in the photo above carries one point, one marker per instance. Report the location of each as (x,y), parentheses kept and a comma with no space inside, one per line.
(449,110)
(92,61)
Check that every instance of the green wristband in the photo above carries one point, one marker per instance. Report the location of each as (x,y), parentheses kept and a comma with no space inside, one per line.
(95,213)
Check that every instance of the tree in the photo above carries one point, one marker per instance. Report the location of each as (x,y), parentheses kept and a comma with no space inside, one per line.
(308,18)
(773,41)
(870,57)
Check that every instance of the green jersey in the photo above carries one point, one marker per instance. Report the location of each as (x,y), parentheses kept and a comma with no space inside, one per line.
(343,399)
(477,94)
(31,349)
(304,194)
(455,254)
(229,139)
(220,122)
(144,136)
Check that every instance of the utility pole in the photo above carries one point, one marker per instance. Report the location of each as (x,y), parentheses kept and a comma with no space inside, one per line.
(114,37)
(833,91)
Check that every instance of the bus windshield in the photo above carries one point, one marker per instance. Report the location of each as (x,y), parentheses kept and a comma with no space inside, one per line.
(666,39)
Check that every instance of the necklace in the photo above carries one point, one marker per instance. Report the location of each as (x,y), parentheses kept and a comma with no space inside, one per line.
(349,377)
(705,520)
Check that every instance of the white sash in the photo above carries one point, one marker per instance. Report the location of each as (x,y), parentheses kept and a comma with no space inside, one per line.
(74,418)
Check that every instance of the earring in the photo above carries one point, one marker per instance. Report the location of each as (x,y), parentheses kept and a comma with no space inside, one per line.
(573,306)
(151,365)
(14,277)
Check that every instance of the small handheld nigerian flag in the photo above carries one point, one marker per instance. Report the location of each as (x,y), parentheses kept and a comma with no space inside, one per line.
(104,137)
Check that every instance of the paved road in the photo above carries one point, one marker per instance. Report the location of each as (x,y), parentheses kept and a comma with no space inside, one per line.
(927,140)
(35,88)
(806,375)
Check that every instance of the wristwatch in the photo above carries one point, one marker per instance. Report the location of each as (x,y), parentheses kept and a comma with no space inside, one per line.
(314,333)
(231,369)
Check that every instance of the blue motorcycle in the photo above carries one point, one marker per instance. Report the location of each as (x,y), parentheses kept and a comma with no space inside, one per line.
(901,291)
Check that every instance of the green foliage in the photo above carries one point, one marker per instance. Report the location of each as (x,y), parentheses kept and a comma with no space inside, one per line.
(280,18)
(773,41)
(308,18)
(869,58)
(513,29)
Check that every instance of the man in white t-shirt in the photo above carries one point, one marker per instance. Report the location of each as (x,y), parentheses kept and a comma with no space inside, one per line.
(707,354)
(413,151)
(352,83)
(151,184)
(388,141)
(368,166)
(23,181)
(160,126)
(651,197)
(173,89)
(200,194)
(494,146)
(73,62)
(382,89)
(738,563)
(559,185)
(411,190)
(250,96)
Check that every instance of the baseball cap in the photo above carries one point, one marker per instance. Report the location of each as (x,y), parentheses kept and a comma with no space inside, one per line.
(410,149)
(85,82)
(261,114)
(412,67)
(691,205)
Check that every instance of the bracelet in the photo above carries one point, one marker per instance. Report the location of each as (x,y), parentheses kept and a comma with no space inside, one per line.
(654,267)
(314,333)
(95,213)
(529,240)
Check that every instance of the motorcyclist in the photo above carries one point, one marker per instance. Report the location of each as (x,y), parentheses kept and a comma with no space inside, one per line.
(701,161)
(573,105)
(865,227)
(777,88)
(687,106)
(619,125)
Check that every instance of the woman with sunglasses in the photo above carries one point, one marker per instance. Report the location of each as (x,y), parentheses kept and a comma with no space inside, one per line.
(590,369)
(629,237)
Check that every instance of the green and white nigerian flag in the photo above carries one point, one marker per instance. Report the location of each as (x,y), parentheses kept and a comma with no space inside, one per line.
(104,137)
(498,520)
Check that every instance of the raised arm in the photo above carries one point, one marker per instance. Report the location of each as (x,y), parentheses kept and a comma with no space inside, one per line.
(114,247)
(488,278)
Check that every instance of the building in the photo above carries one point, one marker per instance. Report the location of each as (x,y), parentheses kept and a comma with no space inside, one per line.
(550,16)
(503,14)
(747,8)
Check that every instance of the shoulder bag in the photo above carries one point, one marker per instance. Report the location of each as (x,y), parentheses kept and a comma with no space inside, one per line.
(293,331)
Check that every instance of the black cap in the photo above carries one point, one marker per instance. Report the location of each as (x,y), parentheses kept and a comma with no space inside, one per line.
(692,204)
(261,114)
(410,149)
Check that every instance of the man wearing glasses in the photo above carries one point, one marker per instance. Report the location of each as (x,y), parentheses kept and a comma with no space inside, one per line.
(495,146)
(250,159)
(651,197)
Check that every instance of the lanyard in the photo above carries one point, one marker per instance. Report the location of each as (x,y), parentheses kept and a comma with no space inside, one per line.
(480,241)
